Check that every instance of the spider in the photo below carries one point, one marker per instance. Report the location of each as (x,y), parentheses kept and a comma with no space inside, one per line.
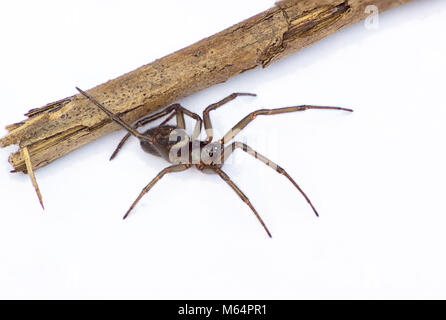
(183,151)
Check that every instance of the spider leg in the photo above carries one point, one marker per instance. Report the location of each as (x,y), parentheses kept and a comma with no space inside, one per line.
(116,118)
(207,119)
(238,145)
(168,119)
(244,198)
(148,119)
(175,168)
(179,112)
(250,117)
(199,121)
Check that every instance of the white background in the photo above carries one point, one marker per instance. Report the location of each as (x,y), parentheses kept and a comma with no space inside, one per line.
(377,176)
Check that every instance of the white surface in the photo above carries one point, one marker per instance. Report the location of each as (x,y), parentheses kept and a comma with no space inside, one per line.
(377,176)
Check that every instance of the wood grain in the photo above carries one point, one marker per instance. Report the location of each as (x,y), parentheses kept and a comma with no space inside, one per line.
(65,125)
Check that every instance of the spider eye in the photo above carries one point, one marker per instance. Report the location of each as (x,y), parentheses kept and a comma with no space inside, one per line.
(211,154)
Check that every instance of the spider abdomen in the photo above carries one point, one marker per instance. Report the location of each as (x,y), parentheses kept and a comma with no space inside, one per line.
(163,141)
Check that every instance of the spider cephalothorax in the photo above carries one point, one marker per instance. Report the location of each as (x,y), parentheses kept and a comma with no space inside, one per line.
(183,151)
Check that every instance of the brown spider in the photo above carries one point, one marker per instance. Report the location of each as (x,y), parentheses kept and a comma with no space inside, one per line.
(182,151)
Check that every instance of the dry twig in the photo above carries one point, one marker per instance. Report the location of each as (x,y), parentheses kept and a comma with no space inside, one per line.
(65,125)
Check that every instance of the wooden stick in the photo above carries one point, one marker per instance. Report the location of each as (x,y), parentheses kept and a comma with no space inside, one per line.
(29,168)
(65,125)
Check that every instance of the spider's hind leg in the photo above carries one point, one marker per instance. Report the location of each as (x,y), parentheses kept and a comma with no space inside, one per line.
(177,110)
(143,122)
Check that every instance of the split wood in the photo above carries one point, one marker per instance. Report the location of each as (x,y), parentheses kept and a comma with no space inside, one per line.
(60,127)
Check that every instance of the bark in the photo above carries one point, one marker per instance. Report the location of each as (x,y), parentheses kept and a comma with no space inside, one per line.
(63,126)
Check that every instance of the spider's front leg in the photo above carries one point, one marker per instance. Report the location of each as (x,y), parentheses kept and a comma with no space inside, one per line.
(242,196)
(238,145)
(268,112)
(207,119)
